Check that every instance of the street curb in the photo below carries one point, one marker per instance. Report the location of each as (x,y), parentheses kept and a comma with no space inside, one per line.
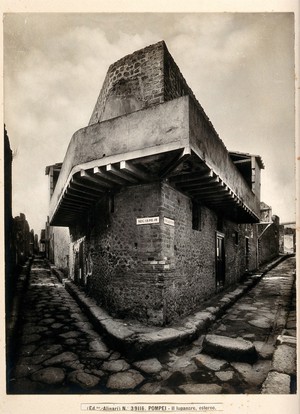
(134,338)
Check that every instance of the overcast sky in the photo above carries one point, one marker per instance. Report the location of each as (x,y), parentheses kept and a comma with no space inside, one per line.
(240,67)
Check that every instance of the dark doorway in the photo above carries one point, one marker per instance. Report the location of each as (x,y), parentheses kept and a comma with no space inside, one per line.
(220,261)
(247,252)
(79,266)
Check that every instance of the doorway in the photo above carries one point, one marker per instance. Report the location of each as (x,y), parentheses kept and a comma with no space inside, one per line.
(220,261)
(247,252)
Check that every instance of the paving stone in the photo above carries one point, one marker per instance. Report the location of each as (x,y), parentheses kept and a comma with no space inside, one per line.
(76,365)
(125,380)
(71,334)
(253,374)
(290,332)
(47,321)
(98,345)
(115,366)
(34,330)
(57,325)
(59,359)
(97,355)
(276,383)
(203,360)
(115,355)
(284,360)
(24,386)
(150,388)
(183,365)
(201,388)
(98,372)
(84,380)
(71,341)
(25,370)
(265,351)
(249,336)
(28,339)
(262,323)
(150,366)
(48,349)
(225,375)
(28,349)
(49,376)
(236,349)
(34,359)
(245,307)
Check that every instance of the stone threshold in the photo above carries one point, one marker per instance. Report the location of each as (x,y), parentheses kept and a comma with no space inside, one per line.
(134,338)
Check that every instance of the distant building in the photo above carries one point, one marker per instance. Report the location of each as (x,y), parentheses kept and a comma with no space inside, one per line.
(161,215)
(268,246)
(57,246)
(288,238)
(21,238)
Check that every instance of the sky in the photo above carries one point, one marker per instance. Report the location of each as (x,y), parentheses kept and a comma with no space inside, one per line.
(240,67)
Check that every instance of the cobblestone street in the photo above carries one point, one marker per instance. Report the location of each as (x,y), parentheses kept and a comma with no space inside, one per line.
(60,352)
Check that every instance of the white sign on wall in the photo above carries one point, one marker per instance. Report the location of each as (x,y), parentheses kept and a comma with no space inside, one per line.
(147,220)
(168,221)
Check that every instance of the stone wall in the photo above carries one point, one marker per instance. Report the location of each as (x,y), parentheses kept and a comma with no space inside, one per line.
(191,253)
(268,244)
(132,83)
(155,273)
(125,273)
(60,247)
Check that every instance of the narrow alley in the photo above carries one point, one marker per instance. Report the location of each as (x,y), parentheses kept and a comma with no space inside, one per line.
(59,352)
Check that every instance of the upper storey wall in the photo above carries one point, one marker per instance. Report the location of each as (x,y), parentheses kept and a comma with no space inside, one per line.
(144,78)
(132,83)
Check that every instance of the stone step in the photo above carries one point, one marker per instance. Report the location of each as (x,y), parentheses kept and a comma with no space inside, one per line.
(231,349)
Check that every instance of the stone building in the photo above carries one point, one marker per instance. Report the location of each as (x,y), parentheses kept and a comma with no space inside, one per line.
(160,214)
(268,236)
(57,246)
(21,239)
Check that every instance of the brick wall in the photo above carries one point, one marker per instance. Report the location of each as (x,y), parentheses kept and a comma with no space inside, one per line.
(155,273)
(191,277)
(146,77)
(127,278)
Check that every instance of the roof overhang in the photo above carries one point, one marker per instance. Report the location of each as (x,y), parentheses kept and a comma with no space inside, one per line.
(165,145)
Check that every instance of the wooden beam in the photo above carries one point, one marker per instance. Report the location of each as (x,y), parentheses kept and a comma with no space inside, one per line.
(203,185)
(242,161)
(127,167)
(84,187)
(216,197)
(111,169)
(209,190)
(72,204)
(185,153)
(109,178)
(73,193)
(195,176)
(80,200)
(71,208)
(89,177)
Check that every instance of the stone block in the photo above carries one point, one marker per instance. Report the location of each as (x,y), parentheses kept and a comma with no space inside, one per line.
(276,383)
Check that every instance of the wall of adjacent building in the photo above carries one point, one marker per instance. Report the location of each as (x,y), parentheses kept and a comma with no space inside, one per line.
(268,241)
